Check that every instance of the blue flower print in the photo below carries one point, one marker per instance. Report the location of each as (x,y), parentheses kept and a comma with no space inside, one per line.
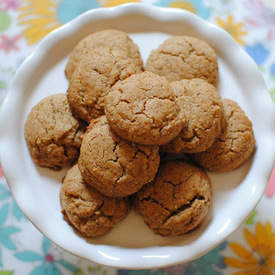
(5,195)
(196,6)
(69,9)
(272,70)
(6,231)
(209,264)
(48,264)
(258,52)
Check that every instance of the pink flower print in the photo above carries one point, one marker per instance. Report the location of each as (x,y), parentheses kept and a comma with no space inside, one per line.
(8,44)
(9,5)
(270,190)
(49,258)
(260,17)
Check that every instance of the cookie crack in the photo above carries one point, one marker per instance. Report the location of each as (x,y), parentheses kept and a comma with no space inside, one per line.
(172,183)
(192,51)
(115,147)
(231,140)
(172,54)
(183,207)
(152,119)
(147,155)
(176,184)
(150,199)
(123,172)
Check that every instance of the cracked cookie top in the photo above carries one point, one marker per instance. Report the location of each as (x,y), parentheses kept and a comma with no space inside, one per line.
(235,144)
(52,134)
(177,201)
(184,57)
(143,109)
(91,213)
(116,41)
(93,79)
(202,107)
(113,166)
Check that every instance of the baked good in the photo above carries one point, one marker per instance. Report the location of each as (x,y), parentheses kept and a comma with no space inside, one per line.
(184,57)
(177,201)
(93,79)
(113,41)
(203,110)
(52,134)
(234,146)
(113,166)
(91,213)
(143,109)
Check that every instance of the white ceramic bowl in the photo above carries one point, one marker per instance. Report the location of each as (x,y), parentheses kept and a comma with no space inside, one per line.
(131,244)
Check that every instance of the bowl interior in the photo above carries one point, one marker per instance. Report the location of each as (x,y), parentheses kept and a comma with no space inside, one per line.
(37,189)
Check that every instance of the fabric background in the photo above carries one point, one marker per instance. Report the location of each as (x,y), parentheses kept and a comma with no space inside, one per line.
(23,250)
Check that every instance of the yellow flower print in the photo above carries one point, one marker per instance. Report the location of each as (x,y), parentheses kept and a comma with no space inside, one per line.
(235,29)
(112,3)
(260,259)
(39,17)
(183,5)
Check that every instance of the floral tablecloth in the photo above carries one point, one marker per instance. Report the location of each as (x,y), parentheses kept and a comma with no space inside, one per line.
(24,251)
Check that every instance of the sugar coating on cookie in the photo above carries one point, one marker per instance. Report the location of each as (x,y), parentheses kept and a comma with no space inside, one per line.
(93,79)
(112,40)
(113,166)
(52,134)
(234,146)
(91,213)
(177,201)
(184,57)
(203,110)
(143,109)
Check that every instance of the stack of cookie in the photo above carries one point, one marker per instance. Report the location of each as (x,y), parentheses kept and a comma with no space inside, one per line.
(116,120)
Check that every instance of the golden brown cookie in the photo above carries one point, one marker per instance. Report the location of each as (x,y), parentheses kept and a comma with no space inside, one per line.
(93,79)
(234,146)
(114,41)
(202,107)
(143,109)
(52,134)
(113,166)
(184,57)
(91,213)
(177,201)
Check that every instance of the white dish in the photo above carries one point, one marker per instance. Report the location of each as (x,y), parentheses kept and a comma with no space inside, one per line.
(131,244)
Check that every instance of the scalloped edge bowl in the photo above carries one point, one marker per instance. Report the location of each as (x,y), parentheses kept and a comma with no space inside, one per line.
(261,109)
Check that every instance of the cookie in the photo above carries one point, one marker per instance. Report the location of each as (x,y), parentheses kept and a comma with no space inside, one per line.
(203,110)
(113,166)
(184,57)
(113,41)
(93,79)
(177,201)
(234,146)
(91,213)
(143,109)
(52,134)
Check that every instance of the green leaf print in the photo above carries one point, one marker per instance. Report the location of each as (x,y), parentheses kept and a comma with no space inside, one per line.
(272,93)
(6,272)
(250,219)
